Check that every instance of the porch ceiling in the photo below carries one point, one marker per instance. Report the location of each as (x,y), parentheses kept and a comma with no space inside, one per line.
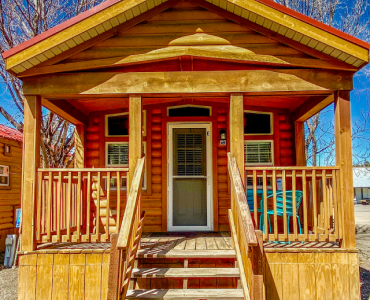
(290,103)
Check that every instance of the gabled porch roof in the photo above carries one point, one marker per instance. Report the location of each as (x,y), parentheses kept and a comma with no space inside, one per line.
(110,17)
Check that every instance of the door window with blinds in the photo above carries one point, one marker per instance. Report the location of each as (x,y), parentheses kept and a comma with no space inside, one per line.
(189,153)
(258,153)
(117,155)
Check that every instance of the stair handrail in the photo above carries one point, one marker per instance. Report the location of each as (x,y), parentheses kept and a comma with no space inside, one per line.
(125,245)
(247,240)
(131,205)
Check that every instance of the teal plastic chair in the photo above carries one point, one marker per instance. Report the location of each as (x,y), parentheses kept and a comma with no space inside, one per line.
(250,200)
(280,208)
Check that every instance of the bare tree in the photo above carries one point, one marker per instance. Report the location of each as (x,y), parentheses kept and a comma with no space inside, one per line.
(352,18)
(20,20)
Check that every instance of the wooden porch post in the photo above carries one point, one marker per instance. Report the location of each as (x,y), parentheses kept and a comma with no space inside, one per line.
(79,135)
(237,131)
(135,135)
(343,150)
(31,162)
(300,152)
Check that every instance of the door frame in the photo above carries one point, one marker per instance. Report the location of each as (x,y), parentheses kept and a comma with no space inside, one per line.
(209,166)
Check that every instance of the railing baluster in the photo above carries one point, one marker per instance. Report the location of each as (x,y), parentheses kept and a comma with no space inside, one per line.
(305,214)
(294,203)
(97,226)
(255,202)
(325,204)
(43,212)
(79,210)
(335,203)
(108,207)
(48,208)
(275,204)
(340,205)
(265,208)
(331,206)
(314,203)
(88,199)
(284,206)
(39,207)
(69,194)
(118,223)
(59,194)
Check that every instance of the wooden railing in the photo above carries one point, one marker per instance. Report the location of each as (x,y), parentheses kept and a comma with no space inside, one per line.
(296,203)
(126,244)
(247,240)
(78,205)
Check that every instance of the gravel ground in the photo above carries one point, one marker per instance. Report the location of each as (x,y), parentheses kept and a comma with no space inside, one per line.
(9,277)
(8,281)
(362,213)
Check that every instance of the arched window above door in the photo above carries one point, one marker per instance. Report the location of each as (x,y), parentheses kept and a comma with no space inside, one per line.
(189,111)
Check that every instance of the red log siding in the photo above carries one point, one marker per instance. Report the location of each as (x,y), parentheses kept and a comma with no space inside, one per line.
(286,144)
(93,150)
(224,202)
(152,202)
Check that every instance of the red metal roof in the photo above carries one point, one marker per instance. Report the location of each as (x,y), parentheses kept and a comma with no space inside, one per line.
(10,133)
(43,36)
(109,3)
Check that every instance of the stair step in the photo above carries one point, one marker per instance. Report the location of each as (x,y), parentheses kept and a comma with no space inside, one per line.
(186,273)
(149,253)
(189,294)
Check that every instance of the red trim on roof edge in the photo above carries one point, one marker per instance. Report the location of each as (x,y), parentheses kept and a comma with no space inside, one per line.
(315,23)
(43,36)
(10,133)
(104,5)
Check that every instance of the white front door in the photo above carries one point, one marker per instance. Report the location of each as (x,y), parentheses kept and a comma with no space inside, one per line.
(189,177)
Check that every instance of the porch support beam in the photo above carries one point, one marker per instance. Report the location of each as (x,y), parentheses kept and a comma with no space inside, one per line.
(135,135)
(241,81)
(237,131)
(66,110)
(79,136)
(311,107)
(300,152)
(31,162)
(343,152)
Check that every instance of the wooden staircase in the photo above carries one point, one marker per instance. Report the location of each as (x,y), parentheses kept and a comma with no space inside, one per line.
(168,271)
(106,214)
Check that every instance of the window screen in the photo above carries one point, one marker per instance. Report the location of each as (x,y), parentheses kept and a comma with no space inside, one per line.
(257,123)
(259,181)
(4,175)
(117,125)
(117,154)
(258,153)
(189,111)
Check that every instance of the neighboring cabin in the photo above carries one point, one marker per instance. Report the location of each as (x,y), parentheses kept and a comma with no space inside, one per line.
(361,183)
(11,141)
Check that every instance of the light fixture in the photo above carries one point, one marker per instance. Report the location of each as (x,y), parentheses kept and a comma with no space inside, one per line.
(223,134)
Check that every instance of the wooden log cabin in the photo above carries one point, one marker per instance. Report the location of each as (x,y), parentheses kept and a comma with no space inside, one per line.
(190,180)
(10,180)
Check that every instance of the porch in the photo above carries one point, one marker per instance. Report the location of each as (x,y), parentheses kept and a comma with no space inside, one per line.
(282,218)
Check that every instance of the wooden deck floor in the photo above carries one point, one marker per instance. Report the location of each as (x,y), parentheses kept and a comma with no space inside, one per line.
(187,241)
(159,241)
